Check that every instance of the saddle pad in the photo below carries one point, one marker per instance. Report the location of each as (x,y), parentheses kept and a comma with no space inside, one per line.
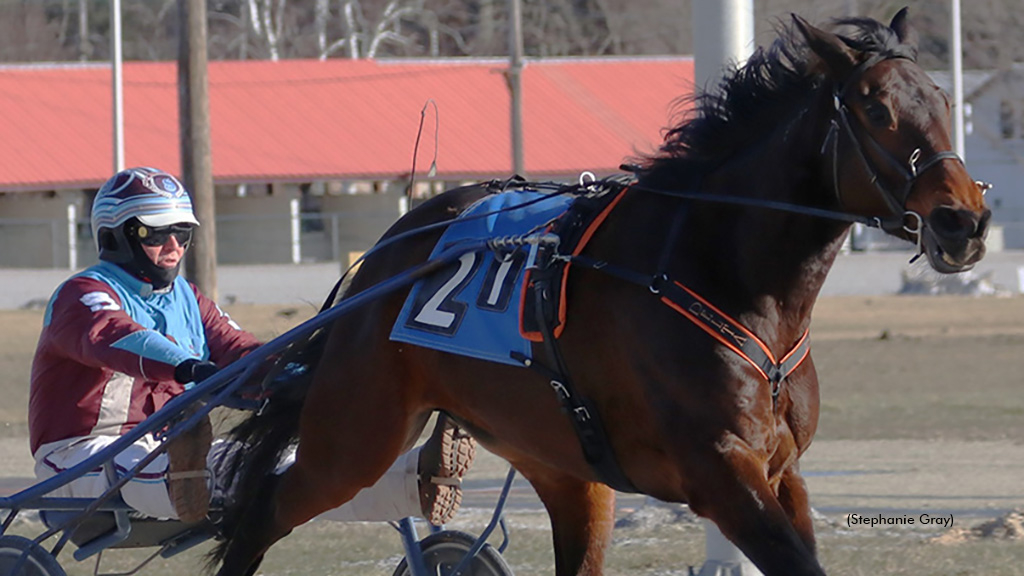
(472,307)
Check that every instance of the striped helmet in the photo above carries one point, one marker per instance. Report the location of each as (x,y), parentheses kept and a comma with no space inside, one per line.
(153,197)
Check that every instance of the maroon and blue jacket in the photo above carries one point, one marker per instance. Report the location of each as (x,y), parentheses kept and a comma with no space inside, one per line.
(106,356)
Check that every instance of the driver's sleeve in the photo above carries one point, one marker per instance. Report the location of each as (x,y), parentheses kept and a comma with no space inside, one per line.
(89,325)
(225,338)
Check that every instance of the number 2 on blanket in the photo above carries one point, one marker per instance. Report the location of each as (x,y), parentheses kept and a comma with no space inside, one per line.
(436,308)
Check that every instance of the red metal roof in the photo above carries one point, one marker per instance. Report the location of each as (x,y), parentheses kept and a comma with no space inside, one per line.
(301,120)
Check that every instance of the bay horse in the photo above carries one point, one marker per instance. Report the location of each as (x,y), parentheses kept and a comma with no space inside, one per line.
(732,225)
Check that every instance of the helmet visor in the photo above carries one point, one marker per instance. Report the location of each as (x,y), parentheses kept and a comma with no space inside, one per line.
(166,218)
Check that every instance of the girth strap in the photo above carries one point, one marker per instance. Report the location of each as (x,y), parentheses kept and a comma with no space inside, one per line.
(585,419)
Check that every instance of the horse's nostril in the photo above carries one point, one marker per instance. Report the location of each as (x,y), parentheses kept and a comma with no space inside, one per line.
(951,223)
(983,223)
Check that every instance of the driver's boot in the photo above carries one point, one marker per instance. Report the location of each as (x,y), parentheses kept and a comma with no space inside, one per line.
(187,474)
(443,460)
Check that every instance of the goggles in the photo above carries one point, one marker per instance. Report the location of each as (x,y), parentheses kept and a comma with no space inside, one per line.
(159,236)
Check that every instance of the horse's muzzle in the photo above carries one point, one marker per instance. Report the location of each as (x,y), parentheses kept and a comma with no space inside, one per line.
(954,239)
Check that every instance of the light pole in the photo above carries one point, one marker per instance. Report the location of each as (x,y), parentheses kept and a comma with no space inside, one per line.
(957,64)
(723,35)
(115,51)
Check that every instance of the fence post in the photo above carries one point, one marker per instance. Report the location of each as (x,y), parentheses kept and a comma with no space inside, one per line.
(336,241)
(72,237)
(296,231)
(54,245)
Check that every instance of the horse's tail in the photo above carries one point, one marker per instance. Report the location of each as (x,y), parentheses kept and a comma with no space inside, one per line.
(261,439)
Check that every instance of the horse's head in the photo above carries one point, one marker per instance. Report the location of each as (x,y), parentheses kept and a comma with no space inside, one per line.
(889,149)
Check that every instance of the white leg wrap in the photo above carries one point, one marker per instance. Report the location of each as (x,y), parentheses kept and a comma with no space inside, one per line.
(393,497)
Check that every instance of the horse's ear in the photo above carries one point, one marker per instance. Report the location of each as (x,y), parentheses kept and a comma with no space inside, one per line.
(904,31)
(838,57)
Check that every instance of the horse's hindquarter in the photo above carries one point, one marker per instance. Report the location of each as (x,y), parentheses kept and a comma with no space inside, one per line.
(511,410)
(360,365)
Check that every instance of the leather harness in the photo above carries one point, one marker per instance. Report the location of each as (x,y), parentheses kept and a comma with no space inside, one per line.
(548,279)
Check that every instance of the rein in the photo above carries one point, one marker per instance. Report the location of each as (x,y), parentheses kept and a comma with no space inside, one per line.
(882,223)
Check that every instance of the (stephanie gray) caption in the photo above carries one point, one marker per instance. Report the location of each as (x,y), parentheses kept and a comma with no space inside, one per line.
(924,519)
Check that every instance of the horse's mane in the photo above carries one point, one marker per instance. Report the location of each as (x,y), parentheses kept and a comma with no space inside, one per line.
(754,100)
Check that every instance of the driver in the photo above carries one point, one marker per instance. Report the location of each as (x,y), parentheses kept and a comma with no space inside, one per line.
(124,337)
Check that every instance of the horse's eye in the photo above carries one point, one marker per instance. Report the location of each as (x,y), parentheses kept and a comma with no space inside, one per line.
(877,114)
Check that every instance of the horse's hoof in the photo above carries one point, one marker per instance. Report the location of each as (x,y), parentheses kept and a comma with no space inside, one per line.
(443,460)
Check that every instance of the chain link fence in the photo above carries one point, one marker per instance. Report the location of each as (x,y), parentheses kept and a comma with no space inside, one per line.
(313,237)
(241,239)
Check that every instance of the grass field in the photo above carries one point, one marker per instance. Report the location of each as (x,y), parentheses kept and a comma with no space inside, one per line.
(922,409)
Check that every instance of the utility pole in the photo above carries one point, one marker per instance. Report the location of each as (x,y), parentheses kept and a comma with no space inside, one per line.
(515,86)
(723,36)
(196,163)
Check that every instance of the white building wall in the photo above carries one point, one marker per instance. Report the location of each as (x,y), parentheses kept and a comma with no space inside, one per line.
(34,231)
(995,158)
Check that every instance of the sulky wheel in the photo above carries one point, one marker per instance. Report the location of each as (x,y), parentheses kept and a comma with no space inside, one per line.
(442,552)
(39,561)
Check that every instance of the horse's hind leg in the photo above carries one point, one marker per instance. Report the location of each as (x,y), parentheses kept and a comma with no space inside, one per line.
(582,517)
(729,487)
(336,457)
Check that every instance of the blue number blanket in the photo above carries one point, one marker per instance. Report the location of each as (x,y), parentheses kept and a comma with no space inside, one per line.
(472,307)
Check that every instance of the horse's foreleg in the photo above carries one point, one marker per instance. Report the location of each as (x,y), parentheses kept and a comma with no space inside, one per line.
(582,517)
(794,499)
(730,487)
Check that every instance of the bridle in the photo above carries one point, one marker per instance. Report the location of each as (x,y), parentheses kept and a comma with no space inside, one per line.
(909,171)
(841,125)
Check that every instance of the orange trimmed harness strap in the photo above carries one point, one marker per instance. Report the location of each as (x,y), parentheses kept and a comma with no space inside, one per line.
(719,325)
(731,333)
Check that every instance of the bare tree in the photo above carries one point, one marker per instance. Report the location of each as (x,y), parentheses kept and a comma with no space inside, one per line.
(277,29)
(29,34)
(402,24)
(266,17)
(84,45)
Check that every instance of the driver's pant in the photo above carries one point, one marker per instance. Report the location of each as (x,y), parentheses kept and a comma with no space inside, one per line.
(393,497)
